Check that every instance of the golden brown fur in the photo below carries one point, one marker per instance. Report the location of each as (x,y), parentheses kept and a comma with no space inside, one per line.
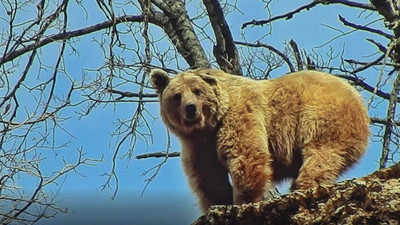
(308,125)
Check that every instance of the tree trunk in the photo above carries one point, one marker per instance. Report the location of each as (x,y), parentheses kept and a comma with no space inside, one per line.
(374,199)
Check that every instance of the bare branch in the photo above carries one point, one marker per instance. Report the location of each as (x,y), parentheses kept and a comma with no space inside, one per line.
(158,155)
(365,86)
(68,35)
(377,44)
(390,117)
(297,55)
(128,94)
(384,121)
(225,50)
(271,48)
(389,10)
(366,65)
(33,197)
(179,29)
(364,28)
(157,168)
(307,7)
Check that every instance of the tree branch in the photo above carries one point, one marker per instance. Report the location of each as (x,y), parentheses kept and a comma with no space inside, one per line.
(365,86)
(389,9)
(366,65)
(271,48)
(377,44)
(128,94)
(68,35)
(290,14)
(225,50)
(296,54)
(178,27)
(390,118)
(373,199)
(364,28)
(383,121)
(158,155)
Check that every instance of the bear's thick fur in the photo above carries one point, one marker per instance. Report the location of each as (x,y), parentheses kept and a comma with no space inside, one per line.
(309,126)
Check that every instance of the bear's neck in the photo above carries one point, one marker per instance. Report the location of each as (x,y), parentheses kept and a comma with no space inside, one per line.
(199,135)
(204,142)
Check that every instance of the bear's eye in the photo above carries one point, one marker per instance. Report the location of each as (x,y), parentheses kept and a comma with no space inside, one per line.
(177,97)
(197,92)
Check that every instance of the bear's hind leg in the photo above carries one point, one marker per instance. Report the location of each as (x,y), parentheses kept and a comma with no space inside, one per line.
(324,164)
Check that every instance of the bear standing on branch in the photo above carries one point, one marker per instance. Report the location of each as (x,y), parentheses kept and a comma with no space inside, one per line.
(309,126)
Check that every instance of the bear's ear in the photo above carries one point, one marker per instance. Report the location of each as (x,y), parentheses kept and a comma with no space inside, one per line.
(159,79)
(208,79)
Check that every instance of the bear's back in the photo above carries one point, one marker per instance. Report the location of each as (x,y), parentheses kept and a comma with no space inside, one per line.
(318,84)
(317,106)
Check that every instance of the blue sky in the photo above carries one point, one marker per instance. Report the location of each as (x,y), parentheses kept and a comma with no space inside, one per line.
(168,195)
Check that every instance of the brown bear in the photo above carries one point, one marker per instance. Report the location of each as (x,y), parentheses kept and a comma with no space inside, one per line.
(308,125)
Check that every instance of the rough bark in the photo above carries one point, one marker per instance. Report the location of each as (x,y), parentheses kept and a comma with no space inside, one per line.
(225,51)
(374,199)
(178,26)
(390,10)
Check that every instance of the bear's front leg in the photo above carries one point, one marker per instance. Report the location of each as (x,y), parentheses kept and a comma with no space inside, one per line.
(244,150)
(207,177)
(251,179)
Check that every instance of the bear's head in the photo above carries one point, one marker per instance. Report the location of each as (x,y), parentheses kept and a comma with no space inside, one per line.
(189,102)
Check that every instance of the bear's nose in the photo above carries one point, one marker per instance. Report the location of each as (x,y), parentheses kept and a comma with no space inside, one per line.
(191,110)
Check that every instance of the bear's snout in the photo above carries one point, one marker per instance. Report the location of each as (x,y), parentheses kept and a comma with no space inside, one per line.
(191,110)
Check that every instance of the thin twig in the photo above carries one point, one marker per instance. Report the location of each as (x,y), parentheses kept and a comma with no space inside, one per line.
(68,35)
(364,28)
(297,55)
(314,3)
(271,48)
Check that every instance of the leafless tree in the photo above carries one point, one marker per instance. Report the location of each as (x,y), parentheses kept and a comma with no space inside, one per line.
(41,91)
